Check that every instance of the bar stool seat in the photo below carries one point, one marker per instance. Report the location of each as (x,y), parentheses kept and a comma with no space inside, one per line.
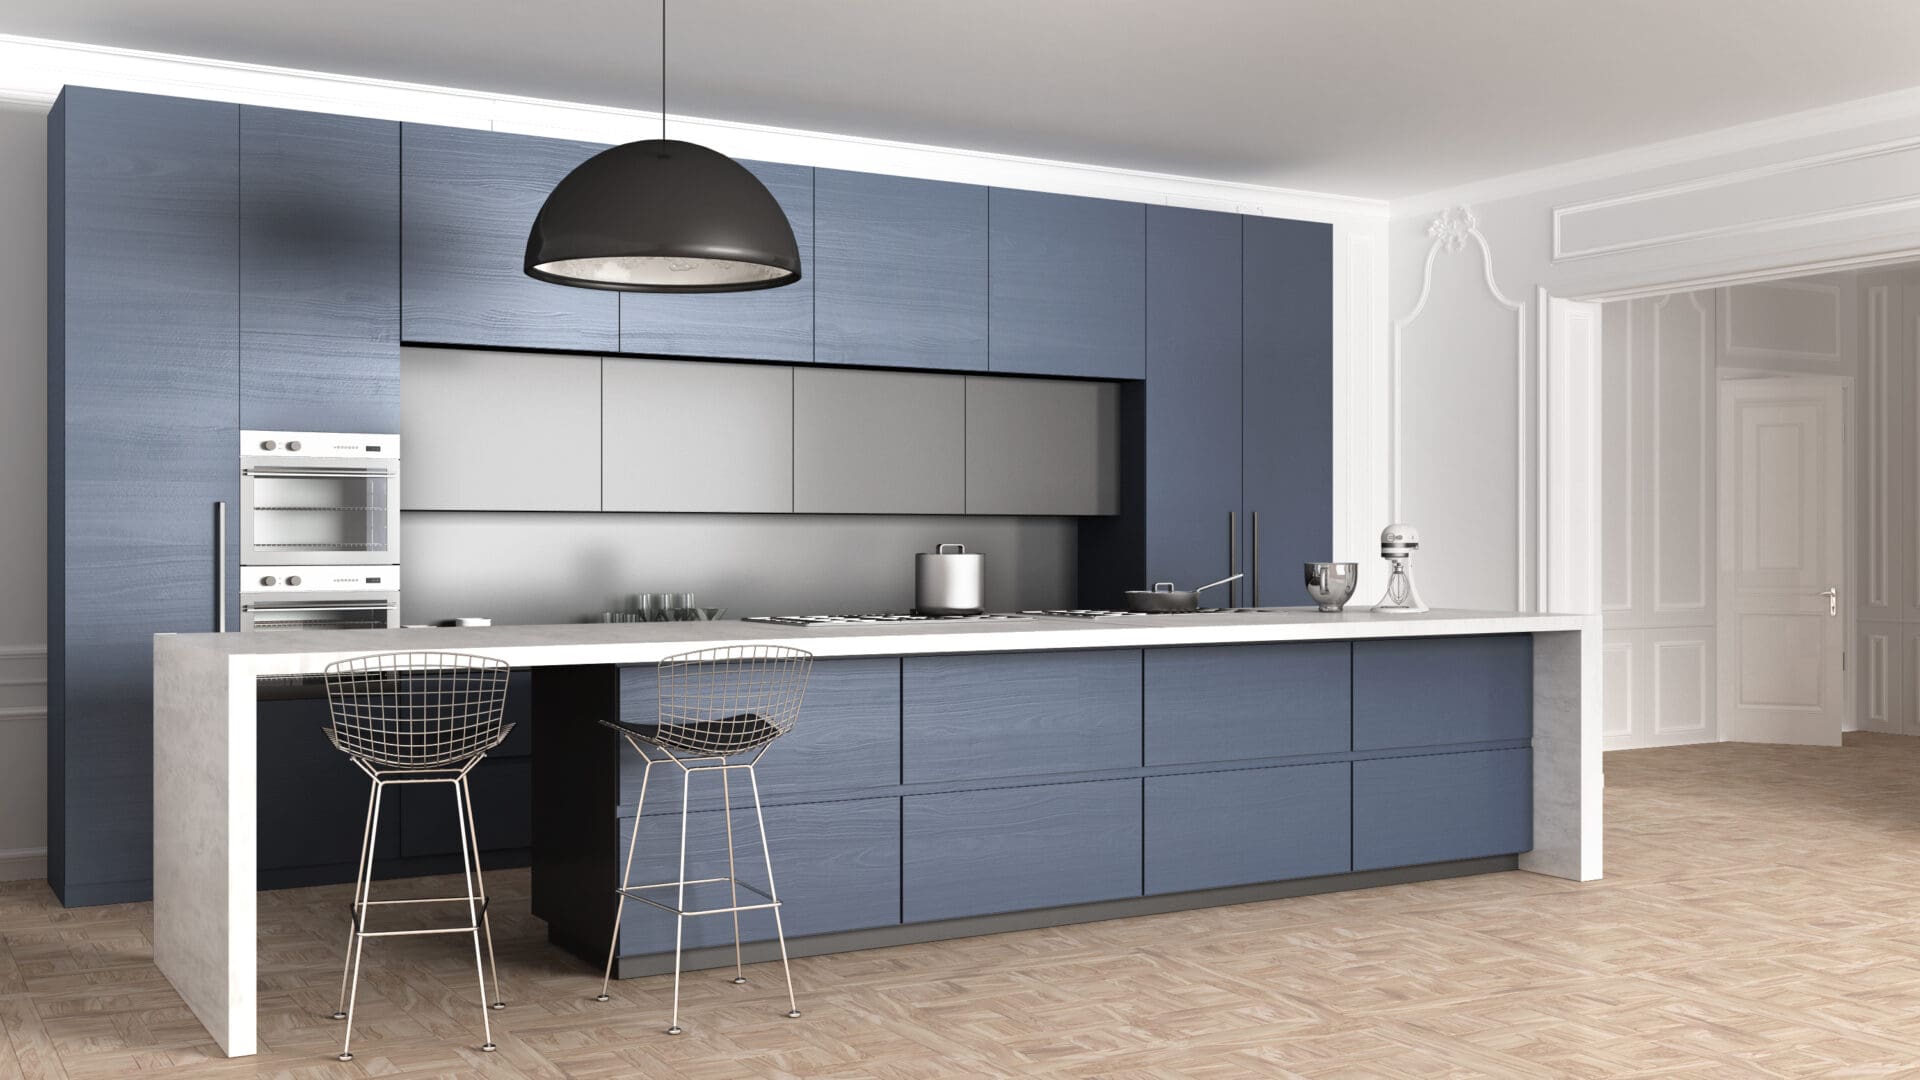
(418,718)
(716,707)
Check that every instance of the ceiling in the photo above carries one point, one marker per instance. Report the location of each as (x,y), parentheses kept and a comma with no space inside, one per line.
(1381,98)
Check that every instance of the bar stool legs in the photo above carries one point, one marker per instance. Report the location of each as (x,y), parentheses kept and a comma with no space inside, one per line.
(629,891)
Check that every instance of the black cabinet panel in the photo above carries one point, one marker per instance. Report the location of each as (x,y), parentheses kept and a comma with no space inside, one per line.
(468,200)
(319,272)
(143,358)
(502,810)
(313,799)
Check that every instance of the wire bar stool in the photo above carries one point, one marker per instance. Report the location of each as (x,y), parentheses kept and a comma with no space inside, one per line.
(716,706)
(418,718)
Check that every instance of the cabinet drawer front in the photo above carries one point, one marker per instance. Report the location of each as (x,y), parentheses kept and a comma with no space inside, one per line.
(1012,849)
(658,446)
(837,866)
(1209,830)
(1042,446)
(1434,691)
(499,431)
(1413,810)
(1019,714)
(1229,702)
(467,200)
(879,442)
(847,736)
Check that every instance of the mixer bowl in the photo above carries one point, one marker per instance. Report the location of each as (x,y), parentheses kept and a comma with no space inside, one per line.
(1331,584)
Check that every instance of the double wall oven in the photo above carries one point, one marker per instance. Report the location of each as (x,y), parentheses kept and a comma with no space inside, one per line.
(319,530)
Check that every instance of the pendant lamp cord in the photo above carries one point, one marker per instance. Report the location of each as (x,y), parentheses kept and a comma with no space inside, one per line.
(663,69)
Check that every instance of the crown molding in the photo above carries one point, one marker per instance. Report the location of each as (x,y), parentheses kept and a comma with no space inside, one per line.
(33,70)
(1701,147)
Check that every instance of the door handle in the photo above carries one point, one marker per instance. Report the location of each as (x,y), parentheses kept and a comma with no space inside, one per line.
(1253,556)
(1233,557)
(220,567)
(1833,601)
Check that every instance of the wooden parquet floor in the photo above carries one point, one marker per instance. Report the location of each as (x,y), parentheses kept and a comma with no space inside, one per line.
(1760,918)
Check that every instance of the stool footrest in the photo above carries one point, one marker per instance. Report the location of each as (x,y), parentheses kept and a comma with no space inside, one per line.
(637,892)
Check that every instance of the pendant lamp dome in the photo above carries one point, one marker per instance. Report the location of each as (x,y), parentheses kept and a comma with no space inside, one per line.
(662,215)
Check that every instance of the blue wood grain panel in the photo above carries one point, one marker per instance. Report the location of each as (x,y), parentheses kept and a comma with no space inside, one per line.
(1211,830)
(767,324)
(846,737)
(468,199)
(1012,849)
(1019,714)
(1413,810)
(319,272)
(901,272)
(837,865)
(1068,285)
(1287,384)
(1434,691)
(313,800)
(145,428)
(1229,702)
(1193,441)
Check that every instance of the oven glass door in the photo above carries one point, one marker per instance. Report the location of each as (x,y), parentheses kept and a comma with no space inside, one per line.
(297,514)
(316,614)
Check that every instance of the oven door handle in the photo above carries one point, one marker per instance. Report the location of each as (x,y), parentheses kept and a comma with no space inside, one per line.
(324,474)
(351,605)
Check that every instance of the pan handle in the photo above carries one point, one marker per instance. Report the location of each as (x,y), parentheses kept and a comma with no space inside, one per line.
(1211,584)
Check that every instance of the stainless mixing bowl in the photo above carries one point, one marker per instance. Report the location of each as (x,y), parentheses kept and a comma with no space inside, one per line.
(1331,584)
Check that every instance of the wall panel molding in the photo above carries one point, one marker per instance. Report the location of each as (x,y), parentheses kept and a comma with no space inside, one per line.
(1878,395)
(1783,294)
(1876,676)
(1688,712)
(1619,696)
(1700,424)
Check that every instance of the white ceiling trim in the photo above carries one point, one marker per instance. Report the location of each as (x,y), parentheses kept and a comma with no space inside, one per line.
(32,71)
(1757,135)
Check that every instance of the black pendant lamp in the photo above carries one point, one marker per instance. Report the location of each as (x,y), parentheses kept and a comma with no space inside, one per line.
(662,215)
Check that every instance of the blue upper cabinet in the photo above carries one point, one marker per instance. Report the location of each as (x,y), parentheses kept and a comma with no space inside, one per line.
(765,324)
(1287,387)
(900,272)
(1068,288)
(143,429)
(468,199)
(319,272)
(1193,394)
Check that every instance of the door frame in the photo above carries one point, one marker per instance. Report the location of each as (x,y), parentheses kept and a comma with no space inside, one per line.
(1849,509)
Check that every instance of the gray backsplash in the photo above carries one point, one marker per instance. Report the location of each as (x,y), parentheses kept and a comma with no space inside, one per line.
(546,568)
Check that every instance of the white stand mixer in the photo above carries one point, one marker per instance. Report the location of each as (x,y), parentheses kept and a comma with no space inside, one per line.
(1397,545)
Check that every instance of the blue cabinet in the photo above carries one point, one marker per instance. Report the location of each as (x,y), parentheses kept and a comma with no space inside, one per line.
(846,738)
(1192,406)
(319,272)
(1287,388)
(1068,286)
(1019,714)
(143,421)
(765,324)
(837,865)
(1237,702)
(1413,810)
(1435,691)
(468,199)
(1211,830)
(312,798)
(900,272)
(1013,849)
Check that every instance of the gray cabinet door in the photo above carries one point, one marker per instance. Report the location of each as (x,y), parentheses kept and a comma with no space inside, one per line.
(878,442)
(499,430)
(1042,446)
(692,437)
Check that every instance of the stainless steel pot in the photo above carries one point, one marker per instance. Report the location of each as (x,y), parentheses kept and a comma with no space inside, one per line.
(949,582)
(1164,597)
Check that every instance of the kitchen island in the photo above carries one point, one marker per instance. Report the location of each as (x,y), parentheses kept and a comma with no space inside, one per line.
(967,777)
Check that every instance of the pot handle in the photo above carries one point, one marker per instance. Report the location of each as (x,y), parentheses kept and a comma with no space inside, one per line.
(1163,586)
(941,549)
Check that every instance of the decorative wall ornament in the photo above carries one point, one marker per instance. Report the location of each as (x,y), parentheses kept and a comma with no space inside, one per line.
(1452,228)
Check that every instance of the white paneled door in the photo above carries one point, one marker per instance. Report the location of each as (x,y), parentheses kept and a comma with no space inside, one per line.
(1782,561)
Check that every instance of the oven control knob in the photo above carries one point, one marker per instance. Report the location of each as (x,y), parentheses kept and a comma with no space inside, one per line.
(295,580)
(268,445)
(268,580)
(294,445)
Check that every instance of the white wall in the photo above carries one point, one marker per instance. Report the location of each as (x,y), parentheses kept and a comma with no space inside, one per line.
(1662,358)
(23,491)
(1888,484)
(1820,191)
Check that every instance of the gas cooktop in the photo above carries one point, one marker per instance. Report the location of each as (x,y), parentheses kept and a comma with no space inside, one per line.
(879,617)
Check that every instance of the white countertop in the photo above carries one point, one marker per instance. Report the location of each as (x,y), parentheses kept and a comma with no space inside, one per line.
(294,652)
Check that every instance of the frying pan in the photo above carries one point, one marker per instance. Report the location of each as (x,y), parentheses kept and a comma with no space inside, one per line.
(1163,597)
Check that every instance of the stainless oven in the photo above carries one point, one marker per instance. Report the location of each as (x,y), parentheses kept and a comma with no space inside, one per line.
(319,498)
(319,598)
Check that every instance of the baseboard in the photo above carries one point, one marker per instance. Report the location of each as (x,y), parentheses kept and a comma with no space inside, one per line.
(595,953)
(23,864)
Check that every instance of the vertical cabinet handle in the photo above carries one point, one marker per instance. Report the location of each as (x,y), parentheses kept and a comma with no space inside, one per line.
(220,567)
(1253,554)
(1233,557)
